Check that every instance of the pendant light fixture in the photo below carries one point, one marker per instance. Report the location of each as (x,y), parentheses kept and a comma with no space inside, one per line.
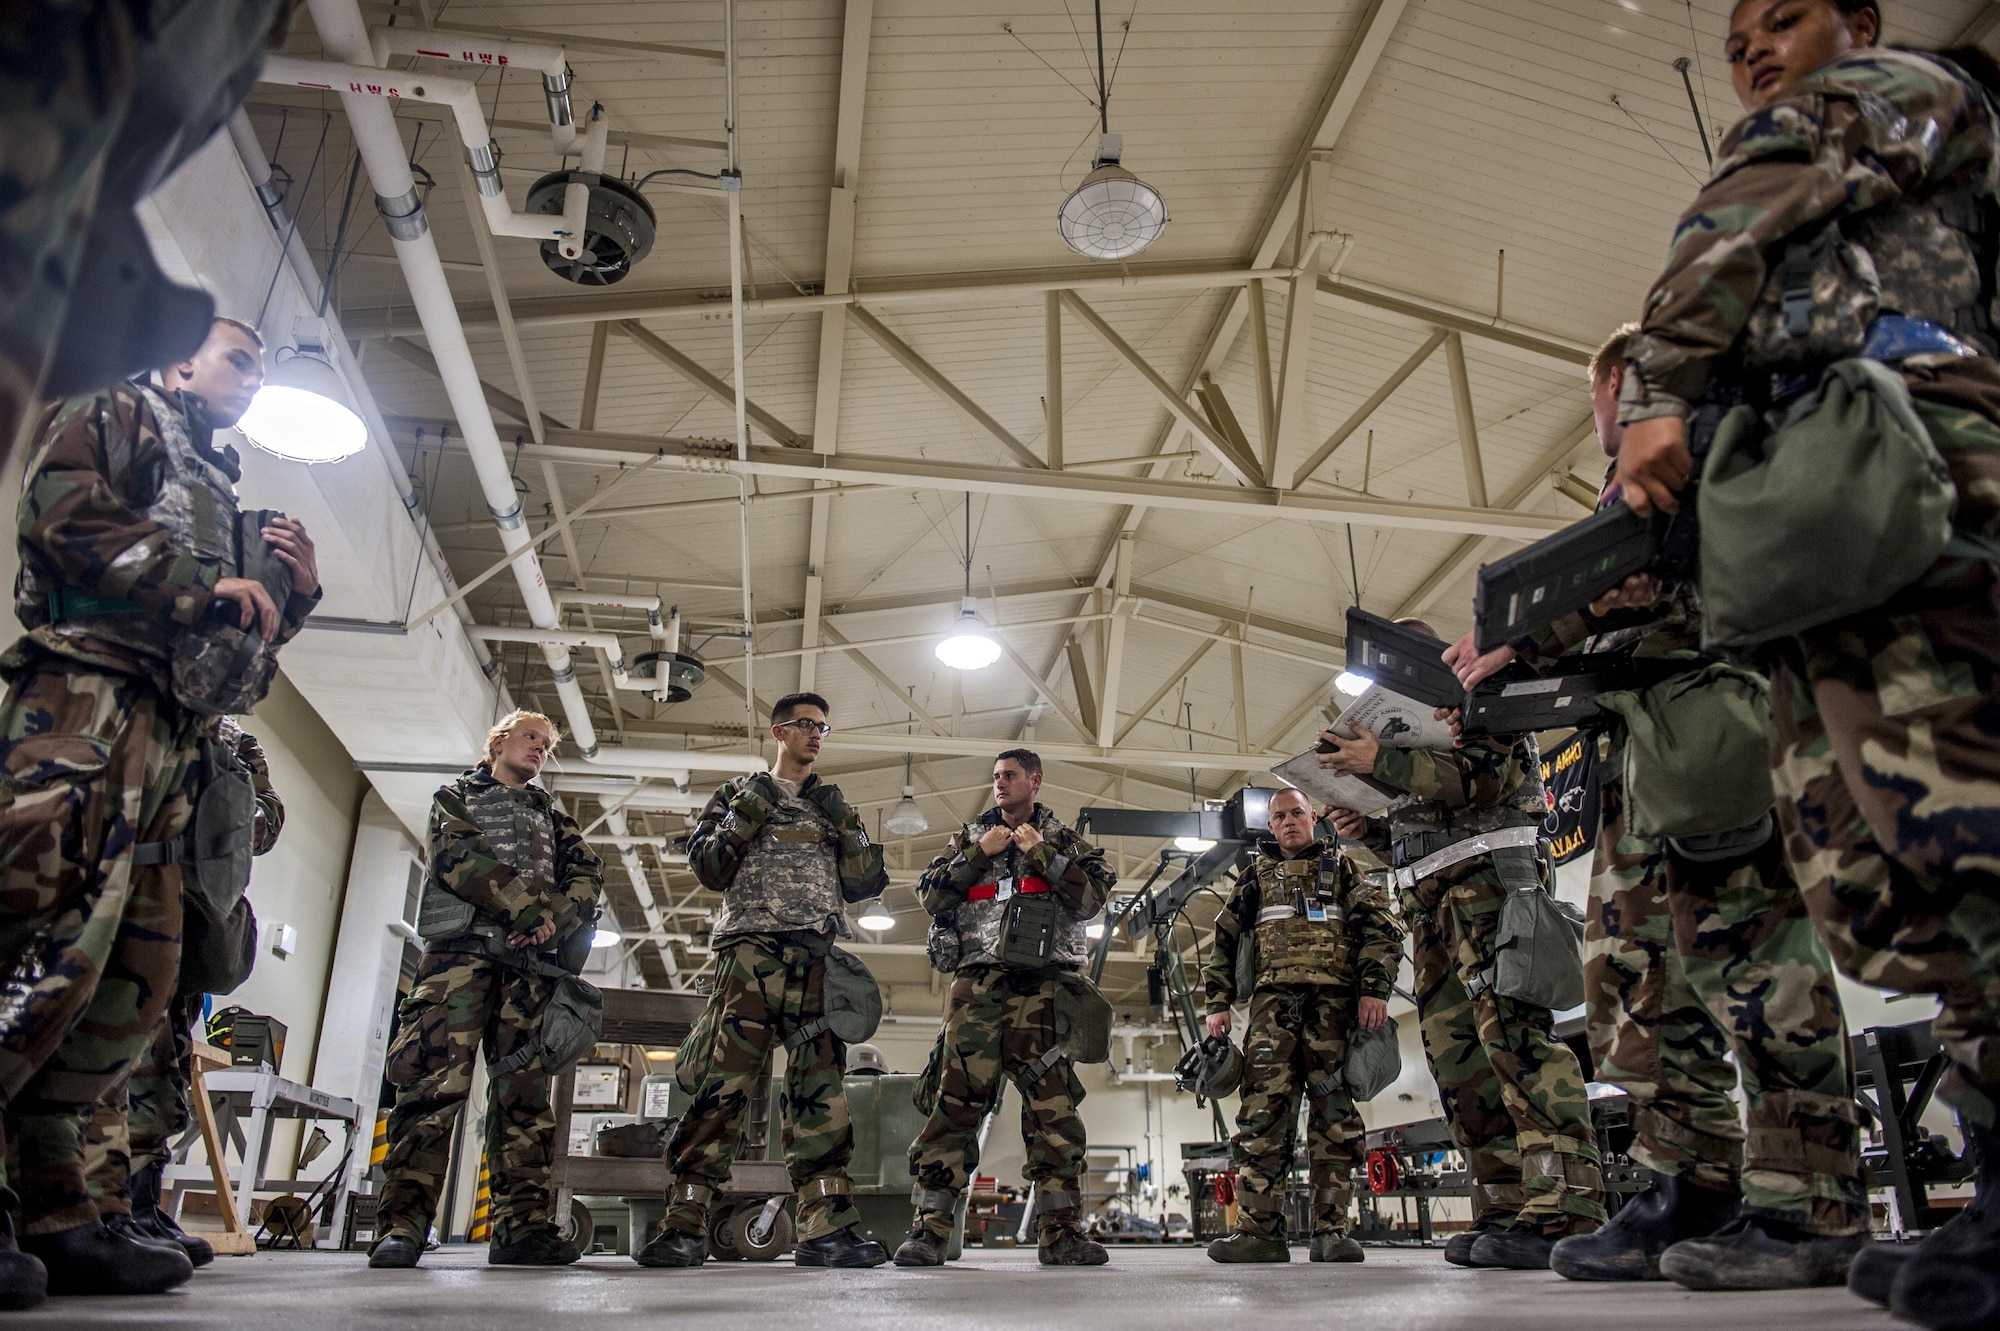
(969,645)
(304,413)
(906,819)
(1113,214)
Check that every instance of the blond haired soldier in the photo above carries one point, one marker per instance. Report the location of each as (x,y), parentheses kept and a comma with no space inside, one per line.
(511,900)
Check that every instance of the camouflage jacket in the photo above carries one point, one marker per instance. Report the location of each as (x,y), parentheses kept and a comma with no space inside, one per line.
(1456,793)
(803,856)
(1902,155)
(1074,870)
(1359,944)
(100,464)
(270,808)
(510,884)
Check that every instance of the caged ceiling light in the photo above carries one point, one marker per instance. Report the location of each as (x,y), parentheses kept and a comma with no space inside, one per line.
(304,413)
(1113,214)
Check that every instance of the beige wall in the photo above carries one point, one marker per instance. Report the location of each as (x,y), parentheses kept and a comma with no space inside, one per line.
(300,881)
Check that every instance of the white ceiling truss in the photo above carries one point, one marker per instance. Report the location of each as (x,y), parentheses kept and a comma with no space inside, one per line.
(1352,368)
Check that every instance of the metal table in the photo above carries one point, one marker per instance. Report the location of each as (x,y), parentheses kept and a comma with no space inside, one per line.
(263,1097)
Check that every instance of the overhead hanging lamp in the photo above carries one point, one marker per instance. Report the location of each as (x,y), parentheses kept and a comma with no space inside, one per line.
(877,919)
(1113,214)
(906,819)
(969,645)
(304,413)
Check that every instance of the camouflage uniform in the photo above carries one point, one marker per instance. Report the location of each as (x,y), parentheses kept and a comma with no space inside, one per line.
(517,859)
(96,756)
(785,856)
(1887,763)
(1689,965)
(133,1123)
(1309,977)
(1000,1020)
(1513,1092)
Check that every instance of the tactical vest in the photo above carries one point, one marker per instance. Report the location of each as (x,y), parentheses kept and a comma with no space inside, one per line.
(520,832)
(790,876)
(1929,254)
(1419,828)
(196,504)
(983,918)
(1301,926)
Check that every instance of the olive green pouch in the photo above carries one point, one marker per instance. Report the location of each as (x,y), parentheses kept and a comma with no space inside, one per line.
(1538,942)
(1083,1019)
(1820,510)
(1697,752)
(1374,1061)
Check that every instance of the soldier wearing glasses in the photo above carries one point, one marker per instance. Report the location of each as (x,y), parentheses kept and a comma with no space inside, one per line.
(785,851)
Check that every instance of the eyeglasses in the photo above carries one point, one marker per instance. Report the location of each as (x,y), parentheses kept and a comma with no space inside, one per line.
(806,727)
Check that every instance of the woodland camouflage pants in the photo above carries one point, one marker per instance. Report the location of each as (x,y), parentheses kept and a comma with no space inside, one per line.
(91,763)
(1686,964)
(1887,767)
(460,1002)
(1512,1091)
(133,1123)
(1000,1024)
(1297,1039)
(766,988)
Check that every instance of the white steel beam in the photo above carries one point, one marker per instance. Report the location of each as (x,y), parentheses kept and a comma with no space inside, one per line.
(1468,425)
(496,288)
(935,379)
(1470,551)
(1114,650)
(593,377)
(1052,393)
(1422,312)
(1242,468)
(1368,408)
(712,384)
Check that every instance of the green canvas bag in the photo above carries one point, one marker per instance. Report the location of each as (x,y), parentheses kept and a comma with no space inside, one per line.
(1821,510)
(1538,942)
(1697,752)
(1083,1019)
(1374,1061)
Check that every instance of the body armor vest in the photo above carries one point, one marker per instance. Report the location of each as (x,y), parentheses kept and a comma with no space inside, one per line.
(983,924)
(519,832)
(1301,924)
(196,504)
(1422,827)
(790,876)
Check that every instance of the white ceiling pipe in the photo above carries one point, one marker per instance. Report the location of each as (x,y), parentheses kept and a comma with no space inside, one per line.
(608,643)
(489,52)
(647,799)
(655,623)
(255,161)
(357,81)
(380,142)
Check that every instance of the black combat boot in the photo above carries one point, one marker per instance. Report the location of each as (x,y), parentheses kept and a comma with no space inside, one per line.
(125,1227)
(1519,1247)
(533,1247)
(1458,1248)
(841,1247)
(1873,1274)
(1259,1235)
(924,1247)
(1065,1245)
(95,1259)
(395,1252)
(1628,1246)
(1952,1281)
(24,1282)
(673,1247)
(1758,1252)
(152,1218)
(1336,1247)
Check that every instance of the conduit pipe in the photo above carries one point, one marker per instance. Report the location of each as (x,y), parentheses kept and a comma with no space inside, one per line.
(251,150)
(656,622)
(608,643)
(643,890)
(356,81)
(345,36)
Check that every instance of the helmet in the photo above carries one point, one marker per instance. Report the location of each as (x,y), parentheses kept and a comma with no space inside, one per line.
(866,1060)
(1212,1069)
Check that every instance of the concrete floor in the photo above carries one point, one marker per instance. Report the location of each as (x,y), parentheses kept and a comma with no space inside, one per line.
(1145,1289)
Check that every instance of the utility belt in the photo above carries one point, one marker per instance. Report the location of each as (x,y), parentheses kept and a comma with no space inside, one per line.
(1005,888)
(1424,854)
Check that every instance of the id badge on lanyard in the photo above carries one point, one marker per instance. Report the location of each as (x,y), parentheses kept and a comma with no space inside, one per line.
(1315,910)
